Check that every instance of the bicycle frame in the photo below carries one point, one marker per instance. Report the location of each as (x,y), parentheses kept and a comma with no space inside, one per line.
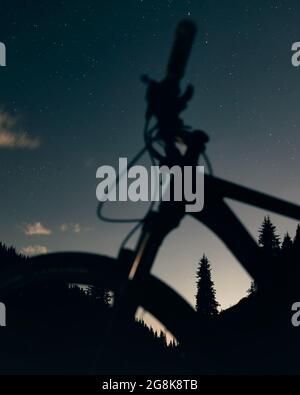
(165,104)
(158,225)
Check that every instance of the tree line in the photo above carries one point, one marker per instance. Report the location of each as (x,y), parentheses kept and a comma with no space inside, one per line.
(271,245)
(93,298)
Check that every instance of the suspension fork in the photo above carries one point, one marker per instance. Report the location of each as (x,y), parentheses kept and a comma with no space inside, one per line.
(156,227)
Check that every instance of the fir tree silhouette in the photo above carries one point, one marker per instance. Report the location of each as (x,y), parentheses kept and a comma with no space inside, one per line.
(100,295)
(287,245)
(9,257)
(252,289)
(296,241)
(268,238)
(206,303)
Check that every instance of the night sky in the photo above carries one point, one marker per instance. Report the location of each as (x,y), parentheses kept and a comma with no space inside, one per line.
(71,100)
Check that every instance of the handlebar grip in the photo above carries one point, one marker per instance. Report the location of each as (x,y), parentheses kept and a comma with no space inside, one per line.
(184,37)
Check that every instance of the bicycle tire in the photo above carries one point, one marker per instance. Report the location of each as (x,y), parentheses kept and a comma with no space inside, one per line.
(87,268)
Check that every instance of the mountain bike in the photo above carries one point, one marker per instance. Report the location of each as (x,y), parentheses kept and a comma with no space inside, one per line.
(129,275)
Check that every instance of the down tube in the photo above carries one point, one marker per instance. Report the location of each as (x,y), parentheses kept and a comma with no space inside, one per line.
(218,217)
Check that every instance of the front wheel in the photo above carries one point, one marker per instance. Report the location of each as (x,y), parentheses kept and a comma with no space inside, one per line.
(51,271)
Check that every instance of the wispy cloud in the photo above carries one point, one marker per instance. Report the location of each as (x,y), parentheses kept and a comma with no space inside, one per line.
(34,250)
(74,227)
(77,228)
(64,227)
(36,228)
(13,136)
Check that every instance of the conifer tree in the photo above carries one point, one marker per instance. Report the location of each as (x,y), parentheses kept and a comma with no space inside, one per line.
(268,238)
(206,303)
(252,289)
(296,241)
(287,245)
(162,338)
(100,294)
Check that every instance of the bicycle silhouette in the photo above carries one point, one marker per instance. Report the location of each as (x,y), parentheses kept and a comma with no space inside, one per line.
(129,276)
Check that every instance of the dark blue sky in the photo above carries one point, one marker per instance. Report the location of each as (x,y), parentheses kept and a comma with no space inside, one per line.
(72,82)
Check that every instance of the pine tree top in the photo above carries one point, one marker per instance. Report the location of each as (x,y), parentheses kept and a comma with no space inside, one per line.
(296,240)
(287,243)
(206,303)
(268,238)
